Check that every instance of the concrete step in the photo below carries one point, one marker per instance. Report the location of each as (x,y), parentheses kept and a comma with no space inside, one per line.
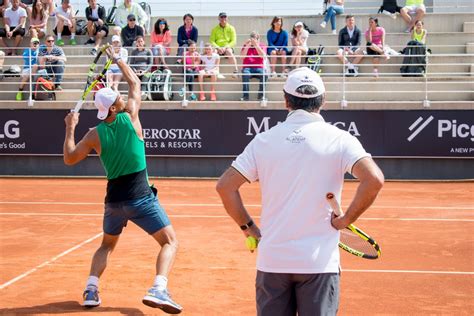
(468,27)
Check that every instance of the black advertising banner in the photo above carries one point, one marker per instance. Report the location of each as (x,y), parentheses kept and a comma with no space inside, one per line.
(414,133)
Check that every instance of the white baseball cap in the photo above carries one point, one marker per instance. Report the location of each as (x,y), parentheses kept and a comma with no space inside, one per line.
(116,38)
(104,99)
(299,23)
(302,77)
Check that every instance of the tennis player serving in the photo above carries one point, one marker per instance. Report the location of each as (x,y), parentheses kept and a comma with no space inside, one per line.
(118,140)
(297,162)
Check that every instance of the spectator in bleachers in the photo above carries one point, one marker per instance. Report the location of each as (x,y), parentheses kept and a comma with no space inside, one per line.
(349,46)
(131,31)
(253,52)
(129,7)
(4,4)
(375,36)
(114,75)
(224,38)
(97,29)
(419,33)
(49,6)
(53,59)
(334,7)
(30,64)
(116,30)
(192,66)
(413,7)
(210,60)
(160,42)
(141,61)
(38,19)
(14,20)
(65,23)
(186,32)
(299,38)
(277,39)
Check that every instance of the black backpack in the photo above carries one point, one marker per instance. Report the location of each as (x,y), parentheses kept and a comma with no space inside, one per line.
(414,62)
(160,86)
(389,5)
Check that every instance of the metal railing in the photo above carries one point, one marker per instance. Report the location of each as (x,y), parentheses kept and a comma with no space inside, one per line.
(446,78)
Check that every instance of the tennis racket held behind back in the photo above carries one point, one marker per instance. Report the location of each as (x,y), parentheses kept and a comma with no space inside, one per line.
(352,239)
(91,81)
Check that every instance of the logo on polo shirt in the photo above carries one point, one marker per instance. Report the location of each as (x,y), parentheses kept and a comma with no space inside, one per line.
(295,138)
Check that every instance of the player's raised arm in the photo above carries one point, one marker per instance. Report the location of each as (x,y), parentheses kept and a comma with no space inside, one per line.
(74,153)
(134,90)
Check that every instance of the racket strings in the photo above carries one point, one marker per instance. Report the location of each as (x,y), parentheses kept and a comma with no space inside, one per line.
(354,241)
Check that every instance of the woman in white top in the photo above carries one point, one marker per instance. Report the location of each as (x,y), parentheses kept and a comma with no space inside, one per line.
(114,75)
(38,19)
(299,38)
(211,61)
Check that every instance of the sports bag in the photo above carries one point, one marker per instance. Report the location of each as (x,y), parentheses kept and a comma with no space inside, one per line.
(160,86)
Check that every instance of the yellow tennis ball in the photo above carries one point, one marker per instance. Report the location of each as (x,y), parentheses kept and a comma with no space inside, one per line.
(251,243)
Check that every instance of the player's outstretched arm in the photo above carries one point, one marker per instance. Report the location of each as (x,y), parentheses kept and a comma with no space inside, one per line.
(134,89)
(73,153)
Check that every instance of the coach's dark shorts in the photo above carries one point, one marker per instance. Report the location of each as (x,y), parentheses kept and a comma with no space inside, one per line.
(98,28)
(285,294)
(145,212)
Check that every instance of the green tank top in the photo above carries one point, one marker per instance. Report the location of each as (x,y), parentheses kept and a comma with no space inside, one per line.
(418,37)
(122,152)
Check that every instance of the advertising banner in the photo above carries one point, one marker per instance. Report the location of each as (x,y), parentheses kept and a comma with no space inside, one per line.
(392,133)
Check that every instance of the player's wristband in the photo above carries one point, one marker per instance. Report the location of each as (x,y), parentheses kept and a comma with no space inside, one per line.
(247,226)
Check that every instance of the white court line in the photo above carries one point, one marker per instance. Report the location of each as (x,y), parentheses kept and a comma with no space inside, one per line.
(62,254)
(247,205)
(256,216)
(368,271)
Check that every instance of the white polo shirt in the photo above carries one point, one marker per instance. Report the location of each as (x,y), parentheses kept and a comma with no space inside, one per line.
(297,162)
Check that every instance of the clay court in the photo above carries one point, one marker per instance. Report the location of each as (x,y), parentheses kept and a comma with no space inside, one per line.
(51,227)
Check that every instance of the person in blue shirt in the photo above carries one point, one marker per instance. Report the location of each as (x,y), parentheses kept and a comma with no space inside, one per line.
(28,62)
(277,39)
(186,32)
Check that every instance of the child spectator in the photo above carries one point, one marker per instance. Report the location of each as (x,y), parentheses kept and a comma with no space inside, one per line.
(375,36)
(299,38)
(224,38)
(97,29)
(161,41)
(14,19)
(415,7)
(129,7)
(131,31)
(186,32)
(334,7)
(141,61)
(53,59)
(114,75)
(38,19)
(419,33)
(253,65)
(349,46)
(30,66)
(65,23)
(192,62)
(277,39)
(210,61)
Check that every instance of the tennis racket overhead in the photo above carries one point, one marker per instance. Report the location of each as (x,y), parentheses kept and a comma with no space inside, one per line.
(91,82)
(352,239)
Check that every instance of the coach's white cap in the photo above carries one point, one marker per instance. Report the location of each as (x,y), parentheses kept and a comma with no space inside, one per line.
(104,99)
(303,77)
(116,38)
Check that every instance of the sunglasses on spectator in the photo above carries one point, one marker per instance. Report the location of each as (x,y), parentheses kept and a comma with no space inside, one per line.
(162,23)
(49,41)
(131,19)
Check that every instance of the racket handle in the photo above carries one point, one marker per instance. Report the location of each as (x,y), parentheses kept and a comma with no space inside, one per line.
(336,208)
(78,106)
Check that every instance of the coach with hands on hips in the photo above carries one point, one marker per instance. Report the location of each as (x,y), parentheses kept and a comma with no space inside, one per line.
(297,162)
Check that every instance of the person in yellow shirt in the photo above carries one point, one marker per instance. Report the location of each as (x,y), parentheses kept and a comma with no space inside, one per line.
(224,38)
(413,7)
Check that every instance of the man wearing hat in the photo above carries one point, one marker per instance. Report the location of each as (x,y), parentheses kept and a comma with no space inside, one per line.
(131,31)
(224,38)
(30,65)
(118,140)
(297,162)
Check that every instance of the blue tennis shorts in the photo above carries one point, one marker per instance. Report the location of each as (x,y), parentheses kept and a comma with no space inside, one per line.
(145,212)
